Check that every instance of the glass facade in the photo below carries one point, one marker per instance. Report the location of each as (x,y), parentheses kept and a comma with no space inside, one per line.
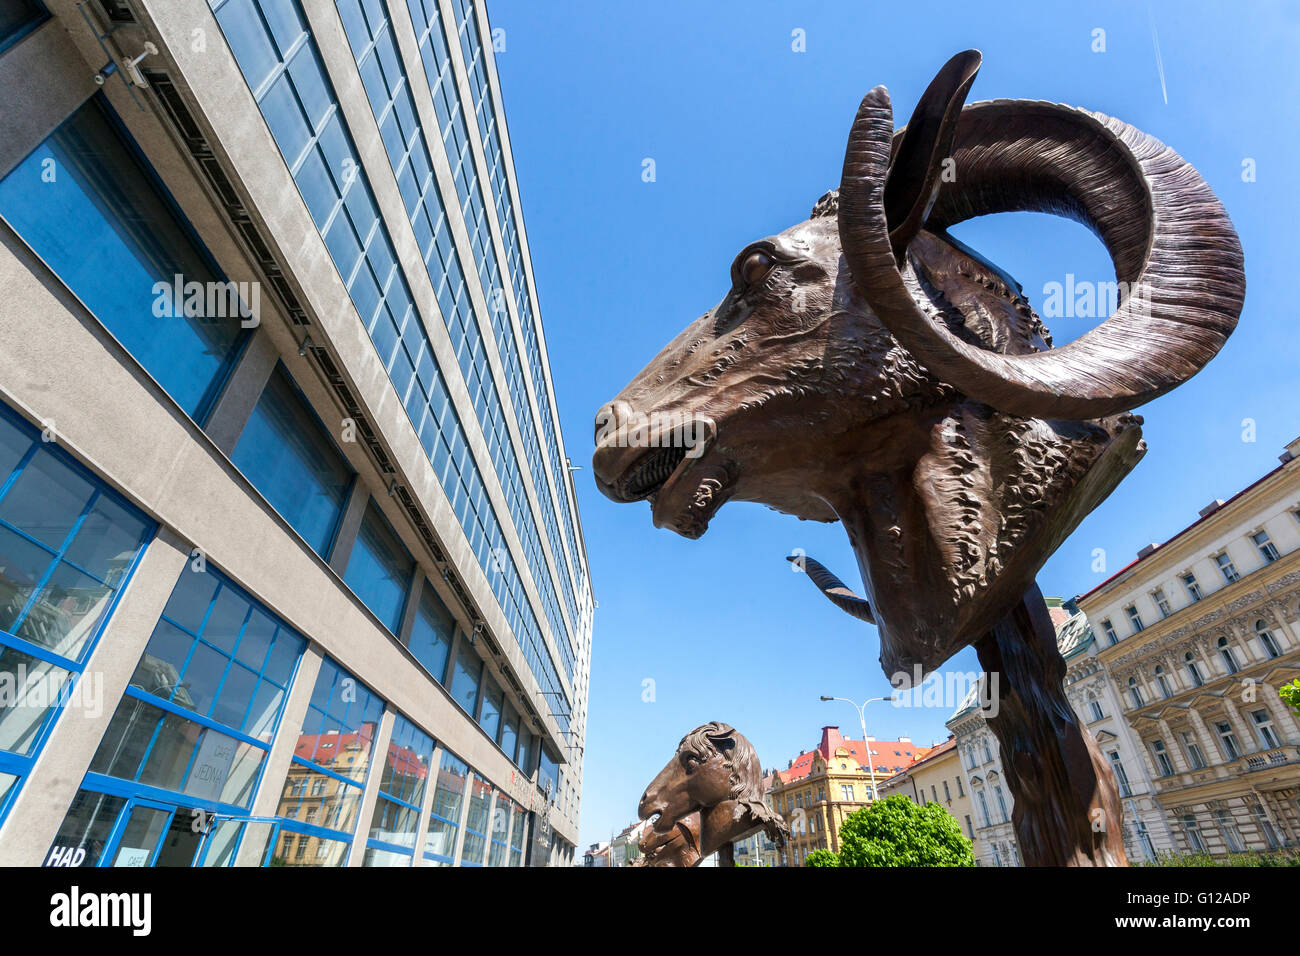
(444,815)
(290,458)
(278,58)
(176,772)
(95,212)
(67,548)
(191,734)
(401,792)
(322,792)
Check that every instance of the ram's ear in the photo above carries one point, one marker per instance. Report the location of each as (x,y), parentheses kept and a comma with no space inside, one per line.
(913,181)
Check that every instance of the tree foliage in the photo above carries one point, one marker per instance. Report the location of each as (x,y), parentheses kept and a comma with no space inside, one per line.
(897,832)
(822,858)
(1290,694)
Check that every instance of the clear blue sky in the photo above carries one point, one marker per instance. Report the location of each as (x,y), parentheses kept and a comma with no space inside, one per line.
(746,134)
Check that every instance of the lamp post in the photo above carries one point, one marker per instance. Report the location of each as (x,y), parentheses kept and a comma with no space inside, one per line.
(862,718)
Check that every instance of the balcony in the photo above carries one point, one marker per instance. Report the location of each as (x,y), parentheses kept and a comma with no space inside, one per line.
(1267,759)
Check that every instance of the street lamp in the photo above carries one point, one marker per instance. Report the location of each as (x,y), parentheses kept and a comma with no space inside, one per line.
(862,718)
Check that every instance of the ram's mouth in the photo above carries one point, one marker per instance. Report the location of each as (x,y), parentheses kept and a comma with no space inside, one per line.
(685,481)
(650,472)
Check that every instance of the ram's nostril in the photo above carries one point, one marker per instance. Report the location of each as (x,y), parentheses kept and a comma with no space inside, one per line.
(612,418)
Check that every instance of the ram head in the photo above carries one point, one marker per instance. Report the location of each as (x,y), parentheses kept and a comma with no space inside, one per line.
(867,367)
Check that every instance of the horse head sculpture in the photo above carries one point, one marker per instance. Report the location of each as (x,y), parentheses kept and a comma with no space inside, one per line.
(709,795)
(867,367)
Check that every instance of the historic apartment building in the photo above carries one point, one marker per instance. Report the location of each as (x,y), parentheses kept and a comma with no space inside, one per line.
(1196,636)
(291,571)
(981,763)
(822,786)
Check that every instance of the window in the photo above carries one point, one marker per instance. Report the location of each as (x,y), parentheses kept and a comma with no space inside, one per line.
(988,754)
(1194,842)
(1121,775)
(1231,835)
(1161,602)
(68,546)
(1267,642)
(1226,566)
(1264,727)
(473,851)
(489,717)
(1134,692)
(431,633)
(205,700)
(1134,619)
(1109,629)
(18,18)
(1002,804)
(1094,708)
(1266,827)
(1195,758)
(960,791)
(1228,740)
(1193,669)
(984,809)
(379,568)
(466,677)
(401,792)
(1225,652)
(1162,682)
(1267,550)
(287,454)
(947,794)
(333,751)
(111,233)
(970,829)
(444,814)
(1193,589)
(934,794)
(1163,763)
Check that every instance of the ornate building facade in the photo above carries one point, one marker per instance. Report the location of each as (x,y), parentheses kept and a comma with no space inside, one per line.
(823,786)
(1196,637)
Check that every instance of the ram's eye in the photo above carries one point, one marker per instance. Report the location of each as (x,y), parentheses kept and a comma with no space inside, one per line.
(755,267)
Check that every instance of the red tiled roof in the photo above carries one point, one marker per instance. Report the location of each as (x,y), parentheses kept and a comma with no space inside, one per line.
(889,756)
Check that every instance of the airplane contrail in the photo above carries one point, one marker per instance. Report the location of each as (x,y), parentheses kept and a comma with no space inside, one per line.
(1160,65)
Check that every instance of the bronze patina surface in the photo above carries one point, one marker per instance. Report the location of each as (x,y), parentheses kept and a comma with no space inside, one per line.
(709,795)
(867,368)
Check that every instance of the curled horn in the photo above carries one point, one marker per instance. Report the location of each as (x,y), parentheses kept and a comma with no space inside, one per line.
(1174,250)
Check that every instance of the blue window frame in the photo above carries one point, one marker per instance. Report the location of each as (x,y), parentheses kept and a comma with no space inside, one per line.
(89,204)
(68,546)
(499,836)
(379,568)
(444,814)
(489,717)
(431,633)
(19,18)
(401,792)
(194,727)
(321,799)
(290,458)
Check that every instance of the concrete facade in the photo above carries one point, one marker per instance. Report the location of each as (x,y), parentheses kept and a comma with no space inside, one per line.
(198,126)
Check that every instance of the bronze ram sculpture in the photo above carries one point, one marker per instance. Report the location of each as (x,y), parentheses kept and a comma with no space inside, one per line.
(867,368)
(707,797)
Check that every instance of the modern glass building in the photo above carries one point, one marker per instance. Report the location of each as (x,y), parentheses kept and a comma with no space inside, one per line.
(291,570)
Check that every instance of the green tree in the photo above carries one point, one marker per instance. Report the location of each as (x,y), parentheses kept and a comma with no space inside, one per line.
(822,858)
(897,832)
(1290,694)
